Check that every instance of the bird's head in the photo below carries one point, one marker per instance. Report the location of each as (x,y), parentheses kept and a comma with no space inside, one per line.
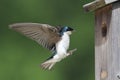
(67,30)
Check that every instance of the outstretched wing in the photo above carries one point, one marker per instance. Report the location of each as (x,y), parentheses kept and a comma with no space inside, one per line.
(43,34)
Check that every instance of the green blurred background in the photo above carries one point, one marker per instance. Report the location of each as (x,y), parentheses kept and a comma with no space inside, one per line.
(20,57)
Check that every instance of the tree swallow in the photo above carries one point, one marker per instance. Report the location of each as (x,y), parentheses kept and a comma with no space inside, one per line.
(56,39)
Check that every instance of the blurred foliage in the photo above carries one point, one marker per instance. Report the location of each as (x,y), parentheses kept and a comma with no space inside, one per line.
(20,57)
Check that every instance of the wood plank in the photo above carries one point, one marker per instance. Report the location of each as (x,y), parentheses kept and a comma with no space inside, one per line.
(107,42)
(110,1)
(97,4)
(94,5)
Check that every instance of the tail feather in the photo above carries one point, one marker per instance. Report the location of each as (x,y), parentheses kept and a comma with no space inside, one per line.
(48,64)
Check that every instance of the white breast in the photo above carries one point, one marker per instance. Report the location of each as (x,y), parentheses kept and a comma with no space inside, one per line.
(62,46)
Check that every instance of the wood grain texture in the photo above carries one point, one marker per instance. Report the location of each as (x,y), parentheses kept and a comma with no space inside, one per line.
(107,46)
(94,5)
(97,4)
(110,1)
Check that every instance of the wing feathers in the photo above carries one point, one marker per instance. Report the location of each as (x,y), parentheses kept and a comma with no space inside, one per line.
(44,34)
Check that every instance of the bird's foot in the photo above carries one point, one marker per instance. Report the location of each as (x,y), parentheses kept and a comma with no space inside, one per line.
(71,51)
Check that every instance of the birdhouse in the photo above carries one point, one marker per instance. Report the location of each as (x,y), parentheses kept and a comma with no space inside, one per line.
(107,38)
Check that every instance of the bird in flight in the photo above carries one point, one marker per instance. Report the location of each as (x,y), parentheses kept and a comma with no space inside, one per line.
(55,39)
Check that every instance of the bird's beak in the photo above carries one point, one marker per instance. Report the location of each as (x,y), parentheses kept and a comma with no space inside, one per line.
(73,30)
